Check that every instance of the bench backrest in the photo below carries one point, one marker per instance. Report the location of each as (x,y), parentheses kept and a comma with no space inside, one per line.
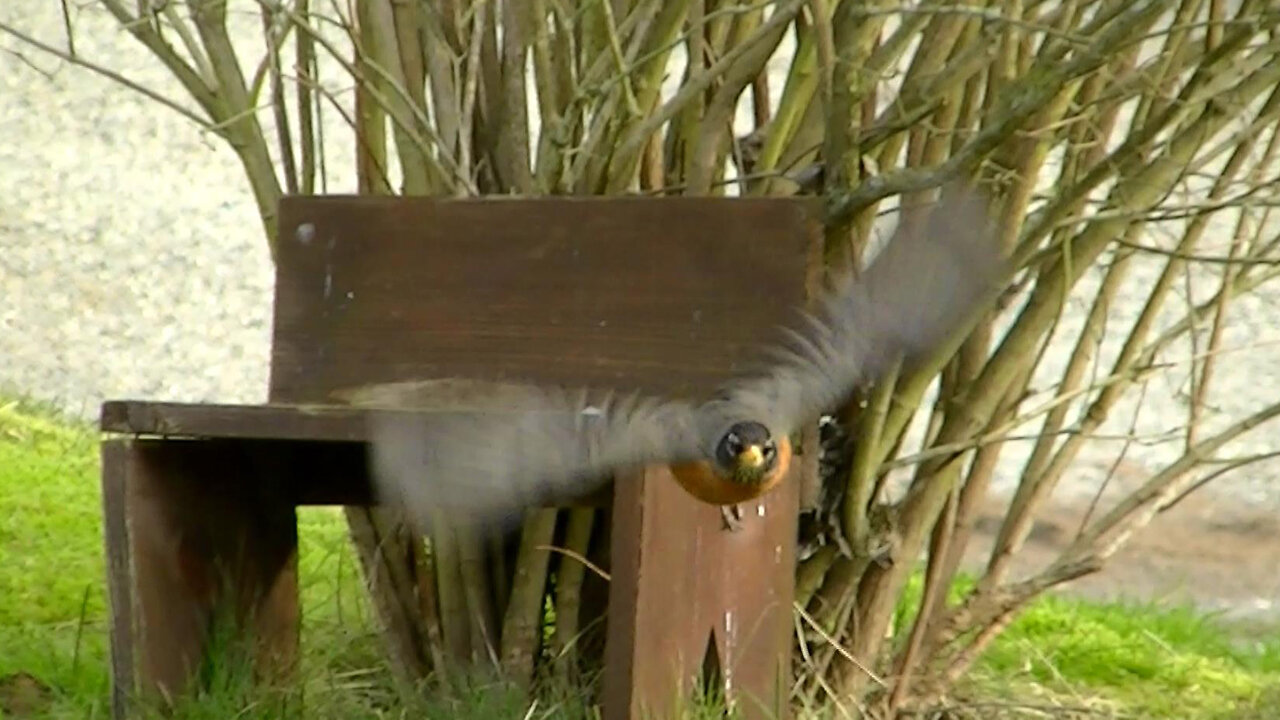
(665,295)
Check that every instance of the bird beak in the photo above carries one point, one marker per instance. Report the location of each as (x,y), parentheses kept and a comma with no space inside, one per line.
(751,456)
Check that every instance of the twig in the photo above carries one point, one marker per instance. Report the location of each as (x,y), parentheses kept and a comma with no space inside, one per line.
(934,592)
(198,58)
(615,49)
(1023,101)
(979,13)
(824,43)
(402,101)
(632,141)
(716,126)
(1229,466)
(1137,509)
(283,133)
(109,74)
(470,91)
(66,26)
(273,38)
(1228,260)
(580,558)
(1115,464)
(306,67)
(840,649)
(1238,243)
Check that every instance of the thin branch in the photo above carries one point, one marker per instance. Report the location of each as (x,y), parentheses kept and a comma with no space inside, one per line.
(577,556)
(67,27)
(1023,101)
(107,73)
(615,51)
(1228,467)
(283,133)
(843,652)
(198,57)
(396,110)
(307,112)
(1136,510)
(635,137)
(470,91)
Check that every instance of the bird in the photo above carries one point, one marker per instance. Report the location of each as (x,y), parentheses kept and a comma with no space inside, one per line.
(484,451)
(472,426)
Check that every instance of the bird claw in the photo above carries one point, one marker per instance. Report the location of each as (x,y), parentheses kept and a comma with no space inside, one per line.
(732,516)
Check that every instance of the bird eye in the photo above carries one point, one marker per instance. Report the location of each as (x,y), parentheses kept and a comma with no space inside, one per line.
(770,451)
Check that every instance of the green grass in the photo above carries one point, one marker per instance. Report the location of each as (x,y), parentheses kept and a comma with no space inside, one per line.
(1163,662)
(1125,658)
(1134,660)
(51,568)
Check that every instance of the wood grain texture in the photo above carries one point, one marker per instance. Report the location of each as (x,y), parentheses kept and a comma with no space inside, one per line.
(200,420)
(667,295)
(121,631)
(681,581)
(210,539)
(317,454)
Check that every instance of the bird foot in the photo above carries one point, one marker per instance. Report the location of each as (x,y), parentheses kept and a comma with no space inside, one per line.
(732,516)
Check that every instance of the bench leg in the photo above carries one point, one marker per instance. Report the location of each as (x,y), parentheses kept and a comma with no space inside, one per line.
(683,586)
(195,532)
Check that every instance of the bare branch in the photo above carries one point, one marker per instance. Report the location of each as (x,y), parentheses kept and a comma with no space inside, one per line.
(1023,101)
(106,73)
(632,141)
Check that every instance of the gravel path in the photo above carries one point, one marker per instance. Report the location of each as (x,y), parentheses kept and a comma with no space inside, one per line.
(132,262)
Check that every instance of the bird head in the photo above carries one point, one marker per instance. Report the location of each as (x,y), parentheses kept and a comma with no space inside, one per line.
(746,452)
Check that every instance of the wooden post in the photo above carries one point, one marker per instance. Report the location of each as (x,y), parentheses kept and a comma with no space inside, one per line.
(203,539)
(683,584)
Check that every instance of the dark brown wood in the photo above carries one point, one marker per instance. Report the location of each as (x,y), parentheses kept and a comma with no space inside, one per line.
(115,462)
(669,295)
(315,455)
(209,539)
(753,597)
(276,422)
(681,581)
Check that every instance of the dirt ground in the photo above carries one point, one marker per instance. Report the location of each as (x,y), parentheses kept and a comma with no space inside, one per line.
(1217,552)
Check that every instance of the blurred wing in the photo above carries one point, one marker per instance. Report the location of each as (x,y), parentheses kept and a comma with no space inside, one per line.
(489,454)
(926,280)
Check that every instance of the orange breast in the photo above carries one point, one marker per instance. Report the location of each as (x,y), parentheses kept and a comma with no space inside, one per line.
(701,480)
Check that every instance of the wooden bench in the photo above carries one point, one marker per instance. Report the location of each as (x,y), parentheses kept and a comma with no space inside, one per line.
(664,295)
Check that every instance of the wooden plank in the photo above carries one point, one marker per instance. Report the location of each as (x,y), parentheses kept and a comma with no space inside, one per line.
(115,458)
(668,295)
(314,455)
(680,581)
(755,590)
(276,421)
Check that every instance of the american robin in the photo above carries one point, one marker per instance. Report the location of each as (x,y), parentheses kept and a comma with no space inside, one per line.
(513,446)
(501,420)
